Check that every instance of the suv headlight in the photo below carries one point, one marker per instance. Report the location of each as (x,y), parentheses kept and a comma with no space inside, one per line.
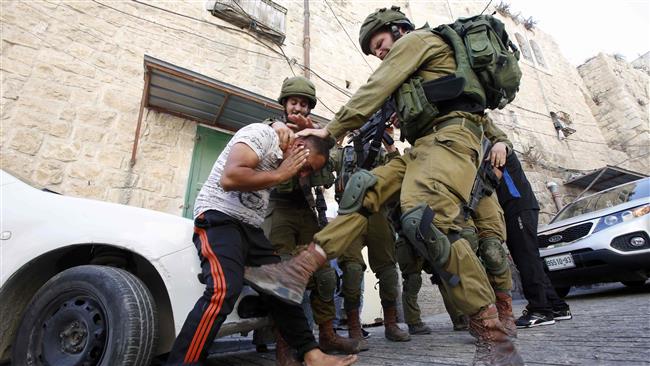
(621,216)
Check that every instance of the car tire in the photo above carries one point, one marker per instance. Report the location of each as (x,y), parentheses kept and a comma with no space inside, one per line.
(88,315)
(637,283)
(562,291)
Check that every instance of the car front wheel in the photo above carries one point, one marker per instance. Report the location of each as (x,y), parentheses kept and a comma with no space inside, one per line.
(88,315)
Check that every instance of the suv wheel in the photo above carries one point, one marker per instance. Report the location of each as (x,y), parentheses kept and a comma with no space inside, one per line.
(88,315)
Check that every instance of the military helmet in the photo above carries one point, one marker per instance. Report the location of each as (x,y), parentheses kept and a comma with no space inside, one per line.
(300,86)
(379,19)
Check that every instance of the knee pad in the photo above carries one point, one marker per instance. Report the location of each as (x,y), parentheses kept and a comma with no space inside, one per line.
(355,190)
(412,284)
(388,282)
(470,234)
(493,256)
(427,240)
(325,279)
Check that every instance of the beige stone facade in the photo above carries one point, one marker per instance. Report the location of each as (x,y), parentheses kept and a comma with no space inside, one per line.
(72,82)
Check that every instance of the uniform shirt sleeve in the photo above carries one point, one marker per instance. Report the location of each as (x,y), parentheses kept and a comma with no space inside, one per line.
(495,134)
(407,55)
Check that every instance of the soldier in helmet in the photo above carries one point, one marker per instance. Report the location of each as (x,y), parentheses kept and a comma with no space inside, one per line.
(431,180)
(380,241)
(291,221)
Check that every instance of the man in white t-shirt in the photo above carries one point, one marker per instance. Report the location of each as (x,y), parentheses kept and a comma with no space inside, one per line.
(228,213)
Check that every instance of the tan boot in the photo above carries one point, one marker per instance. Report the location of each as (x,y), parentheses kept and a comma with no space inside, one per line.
(284,355)
(287,280)
(354,329)
(493,345)
(329,341)
(391,330)
(504,308)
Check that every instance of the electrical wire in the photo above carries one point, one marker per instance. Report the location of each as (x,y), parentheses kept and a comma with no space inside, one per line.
(280,53)
(191,33)
(350,38)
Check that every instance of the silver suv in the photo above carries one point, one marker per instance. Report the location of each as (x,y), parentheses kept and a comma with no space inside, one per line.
(600,238)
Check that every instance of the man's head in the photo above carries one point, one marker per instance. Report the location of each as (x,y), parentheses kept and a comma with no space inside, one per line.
(318,153)
(381,29)
(297,96)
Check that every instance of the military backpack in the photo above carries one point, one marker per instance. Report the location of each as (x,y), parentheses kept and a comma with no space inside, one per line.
(482,45)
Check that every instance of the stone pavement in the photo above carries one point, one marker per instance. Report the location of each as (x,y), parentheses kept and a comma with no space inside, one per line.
(611,326)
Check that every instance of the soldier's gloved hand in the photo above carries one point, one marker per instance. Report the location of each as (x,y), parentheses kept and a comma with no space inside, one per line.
(300,122)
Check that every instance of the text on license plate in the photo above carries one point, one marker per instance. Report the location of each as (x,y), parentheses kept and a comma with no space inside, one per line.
(560,262)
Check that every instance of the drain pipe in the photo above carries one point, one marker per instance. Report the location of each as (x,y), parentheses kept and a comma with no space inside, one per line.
(555,193)
(306,40)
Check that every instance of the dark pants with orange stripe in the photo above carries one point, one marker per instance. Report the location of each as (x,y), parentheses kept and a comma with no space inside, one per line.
(225,245)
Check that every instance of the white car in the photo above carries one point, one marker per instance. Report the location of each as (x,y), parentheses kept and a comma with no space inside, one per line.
(90,282)
(600,238)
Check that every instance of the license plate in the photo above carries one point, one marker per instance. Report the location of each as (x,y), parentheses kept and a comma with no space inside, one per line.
(559,262)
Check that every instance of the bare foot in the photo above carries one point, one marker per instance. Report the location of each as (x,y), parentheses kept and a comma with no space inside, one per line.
(316,357)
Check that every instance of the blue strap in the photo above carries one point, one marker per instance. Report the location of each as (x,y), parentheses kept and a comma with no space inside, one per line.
(510,184)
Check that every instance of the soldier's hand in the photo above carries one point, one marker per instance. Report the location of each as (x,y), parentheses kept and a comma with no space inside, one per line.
(285,134)
(498,154)
(394,120)
(300,122)
(322,133)
(292,163)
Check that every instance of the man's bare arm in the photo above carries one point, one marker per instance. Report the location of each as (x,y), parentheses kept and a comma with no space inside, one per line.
(239,172)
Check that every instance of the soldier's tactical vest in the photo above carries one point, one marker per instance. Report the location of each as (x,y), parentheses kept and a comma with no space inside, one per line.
(487,76)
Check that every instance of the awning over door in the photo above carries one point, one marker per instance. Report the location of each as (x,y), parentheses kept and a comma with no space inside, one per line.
(190,95)
(603,178)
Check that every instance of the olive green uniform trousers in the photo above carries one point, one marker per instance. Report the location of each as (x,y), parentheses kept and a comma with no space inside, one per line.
(380,240)
(288,227)
(435,172)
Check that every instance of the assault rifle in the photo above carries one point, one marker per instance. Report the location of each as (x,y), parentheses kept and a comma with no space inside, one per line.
(321,207)
(367,138)
(485,181)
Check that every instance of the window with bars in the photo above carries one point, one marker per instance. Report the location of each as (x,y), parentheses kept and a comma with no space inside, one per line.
(537,51)
(524,47)
(261,16)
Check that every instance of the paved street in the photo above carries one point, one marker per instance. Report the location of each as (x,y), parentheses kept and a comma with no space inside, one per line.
(611,326)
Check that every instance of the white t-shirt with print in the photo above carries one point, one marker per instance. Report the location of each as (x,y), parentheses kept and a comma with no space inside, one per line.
(249,207)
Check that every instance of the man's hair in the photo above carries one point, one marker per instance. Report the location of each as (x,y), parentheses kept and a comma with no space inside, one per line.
(321,146)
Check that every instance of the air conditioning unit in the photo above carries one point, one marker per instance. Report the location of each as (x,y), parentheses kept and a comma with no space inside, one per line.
(261,16)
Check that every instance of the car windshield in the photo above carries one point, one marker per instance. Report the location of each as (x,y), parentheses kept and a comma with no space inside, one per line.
(605,199)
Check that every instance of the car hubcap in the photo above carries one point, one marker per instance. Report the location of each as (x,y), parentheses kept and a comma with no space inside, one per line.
(74,333)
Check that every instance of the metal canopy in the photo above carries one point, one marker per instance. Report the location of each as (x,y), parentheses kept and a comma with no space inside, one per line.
(603,178)
(190,95)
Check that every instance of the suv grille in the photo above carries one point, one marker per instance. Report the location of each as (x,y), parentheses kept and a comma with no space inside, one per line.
(565,236)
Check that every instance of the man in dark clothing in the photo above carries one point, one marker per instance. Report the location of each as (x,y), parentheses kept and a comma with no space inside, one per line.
(521,212)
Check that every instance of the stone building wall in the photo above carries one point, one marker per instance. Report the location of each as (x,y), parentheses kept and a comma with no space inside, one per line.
(619,101)
(72,79)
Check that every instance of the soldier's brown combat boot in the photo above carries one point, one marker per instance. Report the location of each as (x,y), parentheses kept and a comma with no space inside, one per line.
(504,308)
(493,345)
(284,355)
(329,341)
(354,329)
(288,279)
(391,330)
